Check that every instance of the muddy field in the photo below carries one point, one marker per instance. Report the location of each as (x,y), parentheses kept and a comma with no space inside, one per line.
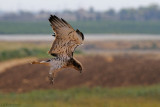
(108,71)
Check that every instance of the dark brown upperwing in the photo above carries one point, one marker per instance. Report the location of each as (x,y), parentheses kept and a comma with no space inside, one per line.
(66,38)
(60,26)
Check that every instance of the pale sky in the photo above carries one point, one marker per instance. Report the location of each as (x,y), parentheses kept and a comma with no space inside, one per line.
(58,5)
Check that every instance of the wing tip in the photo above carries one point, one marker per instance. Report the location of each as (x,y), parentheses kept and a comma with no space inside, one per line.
(54,19)
(81,34)
(51,18)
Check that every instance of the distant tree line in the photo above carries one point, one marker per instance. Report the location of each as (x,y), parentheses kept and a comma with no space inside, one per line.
(149,13)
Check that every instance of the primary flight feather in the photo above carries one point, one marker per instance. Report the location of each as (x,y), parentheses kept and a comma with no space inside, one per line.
(66,40)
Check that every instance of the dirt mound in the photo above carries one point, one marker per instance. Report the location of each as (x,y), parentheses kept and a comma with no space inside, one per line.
(98,71)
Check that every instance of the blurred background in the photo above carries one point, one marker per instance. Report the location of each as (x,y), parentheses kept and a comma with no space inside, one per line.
(120,54)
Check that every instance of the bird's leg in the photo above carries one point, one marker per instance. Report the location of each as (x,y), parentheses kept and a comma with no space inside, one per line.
(52,75)
(51,78)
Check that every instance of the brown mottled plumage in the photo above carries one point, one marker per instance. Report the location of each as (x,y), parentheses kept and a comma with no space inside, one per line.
(66,40)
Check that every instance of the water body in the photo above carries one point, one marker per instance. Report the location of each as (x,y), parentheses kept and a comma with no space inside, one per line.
(88,37)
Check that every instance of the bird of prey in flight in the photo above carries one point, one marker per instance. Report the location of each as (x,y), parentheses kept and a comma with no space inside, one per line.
(63,47)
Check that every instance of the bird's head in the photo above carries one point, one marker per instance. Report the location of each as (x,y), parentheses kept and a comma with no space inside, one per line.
(80,33)
(76,65)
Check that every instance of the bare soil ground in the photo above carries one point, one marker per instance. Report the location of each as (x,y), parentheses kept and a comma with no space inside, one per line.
(14,62)
(105,71)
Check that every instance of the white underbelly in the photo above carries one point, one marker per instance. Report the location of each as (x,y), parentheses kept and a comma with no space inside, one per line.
(57,64)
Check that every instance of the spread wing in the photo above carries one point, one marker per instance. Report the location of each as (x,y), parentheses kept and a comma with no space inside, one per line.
(66,38)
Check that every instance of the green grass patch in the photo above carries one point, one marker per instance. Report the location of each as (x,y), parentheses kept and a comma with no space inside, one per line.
(39,27)
(119,27)
(25,52)
(87,97)
(22,52)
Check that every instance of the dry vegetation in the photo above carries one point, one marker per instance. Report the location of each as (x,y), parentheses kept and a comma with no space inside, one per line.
(18,45)
(116,81)
(109,80)
(109,71)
